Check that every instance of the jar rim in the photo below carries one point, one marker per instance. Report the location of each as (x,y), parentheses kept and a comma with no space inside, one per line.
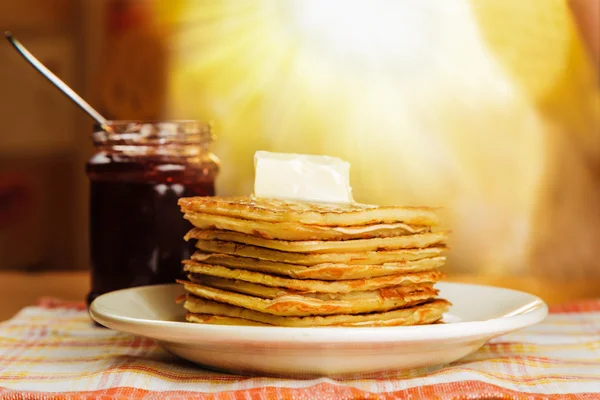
(154,132)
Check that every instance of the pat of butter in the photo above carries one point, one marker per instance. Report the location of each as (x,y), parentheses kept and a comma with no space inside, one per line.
(302,177)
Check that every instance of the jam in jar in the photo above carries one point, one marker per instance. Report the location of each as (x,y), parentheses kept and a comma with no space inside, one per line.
(138,172)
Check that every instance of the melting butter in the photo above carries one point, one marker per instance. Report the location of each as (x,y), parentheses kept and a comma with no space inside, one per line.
(302,177)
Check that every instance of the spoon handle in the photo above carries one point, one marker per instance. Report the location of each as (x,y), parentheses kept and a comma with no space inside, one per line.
(57,81)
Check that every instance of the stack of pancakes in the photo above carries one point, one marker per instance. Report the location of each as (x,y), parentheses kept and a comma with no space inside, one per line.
(286,263)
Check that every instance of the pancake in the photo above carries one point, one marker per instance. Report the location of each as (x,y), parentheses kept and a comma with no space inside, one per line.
(221,320)
(298,305)
(344,246)
(234,285)
(269,292)
(326,271)
(210,312)
(322,214)
(353,258)
(314,286)
(296,230)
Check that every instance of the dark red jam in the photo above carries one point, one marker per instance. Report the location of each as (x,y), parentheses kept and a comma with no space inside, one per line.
(136,226)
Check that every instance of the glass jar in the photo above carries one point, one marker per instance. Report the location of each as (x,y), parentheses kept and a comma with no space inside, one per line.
(138,172)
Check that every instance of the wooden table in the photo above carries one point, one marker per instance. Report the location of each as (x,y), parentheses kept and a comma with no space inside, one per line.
(18,290)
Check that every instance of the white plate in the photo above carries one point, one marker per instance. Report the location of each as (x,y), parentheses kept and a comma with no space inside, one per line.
(479,313)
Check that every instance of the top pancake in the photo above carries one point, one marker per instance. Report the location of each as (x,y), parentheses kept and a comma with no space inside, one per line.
(322,214)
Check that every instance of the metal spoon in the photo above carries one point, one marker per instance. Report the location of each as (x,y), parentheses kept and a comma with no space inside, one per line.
(103,122)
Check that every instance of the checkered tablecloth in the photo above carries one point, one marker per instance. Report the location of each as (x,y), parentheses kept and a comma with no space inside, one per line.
(52,351)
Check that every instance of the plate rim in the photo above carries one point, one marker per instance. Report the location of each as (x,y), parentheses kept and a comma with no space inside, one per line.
(206,333)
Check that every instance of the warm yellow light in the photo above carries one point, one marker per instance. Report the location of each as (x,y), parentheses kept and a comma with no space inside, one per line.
(412,92)
(363,33)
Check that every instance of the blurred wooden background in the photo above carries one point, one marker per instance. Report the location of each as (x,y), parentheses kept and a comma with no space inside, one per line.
(109,51)
(42,189)
(45,141)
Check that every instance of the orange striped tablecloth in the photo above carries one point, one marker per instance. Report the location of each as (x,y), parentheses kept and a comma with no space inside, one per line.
(53,351)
